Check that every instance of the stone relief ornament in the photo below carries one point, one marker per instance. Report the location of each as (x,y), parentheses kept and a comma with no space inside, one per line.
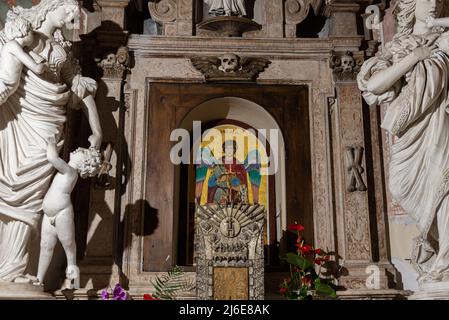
(230,67)
(354,169)
(411,77)
(229,236)
(345,66)
(115,64)
(226,7)
(31,116)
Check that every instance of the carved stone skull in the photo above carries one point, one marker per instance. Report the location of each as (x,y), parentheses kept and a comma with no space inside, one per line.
(229,63)
(347,63)
(109,61)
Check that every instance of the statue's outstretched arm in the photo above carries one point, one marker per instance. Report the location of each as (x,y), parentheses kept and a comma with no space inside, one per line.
(90,109)
(55,160)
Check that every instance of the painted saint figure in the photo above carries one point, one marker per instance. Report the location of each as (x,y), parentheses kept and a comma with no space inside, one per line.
(228,180)
(226,7)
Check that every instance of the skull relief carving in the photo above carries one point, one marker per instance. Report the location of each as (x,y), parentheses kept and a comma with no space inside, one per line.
(347,63)
(229,63)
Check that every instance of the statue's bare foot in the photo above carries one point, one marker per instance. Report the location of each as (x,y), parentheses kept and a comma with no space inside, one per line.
(72,272)
(22,279)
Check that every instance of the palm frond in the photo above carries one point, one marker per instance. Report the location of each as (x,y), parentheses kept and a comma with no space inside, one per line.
(169,285)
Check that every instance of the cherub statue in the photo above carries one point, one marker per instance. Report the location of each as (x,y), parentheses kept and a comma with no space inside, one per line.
(58,221)
(226,7)
(13,56)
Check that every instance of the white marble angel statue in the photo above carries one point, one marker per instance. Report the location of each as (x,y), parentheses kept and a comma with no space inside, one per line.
(226,7)
(13,56)
(412,76)
(33,114)
(58,220)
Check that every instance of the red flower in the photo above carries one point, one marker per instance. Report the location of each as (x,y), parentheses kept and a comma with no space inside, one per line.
(306,280)
(148,296)
(318,251)
(282,290)
(295,227)
(305,250)
(318,261)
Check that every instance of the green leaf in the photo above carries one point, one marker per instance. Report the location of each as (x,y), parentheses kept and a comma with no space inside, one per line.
(298,261)
(323,289)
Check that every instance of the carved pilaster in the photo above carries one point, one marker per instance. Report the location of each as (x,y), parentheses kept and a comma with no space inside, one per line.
(359,242)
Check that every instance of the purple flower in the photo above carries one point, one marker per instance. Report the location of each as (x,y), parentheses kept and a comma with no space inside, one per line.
(105,294)
(118,293)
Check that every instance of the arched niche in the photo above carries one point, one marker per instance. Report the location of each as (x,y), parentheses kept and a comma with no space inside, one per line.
(243,113)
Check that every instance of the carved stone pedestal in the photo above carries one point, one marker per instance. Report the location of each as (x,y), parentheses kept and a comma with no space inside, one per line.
(432,291)
(229,26)
(22,291)
(229,252)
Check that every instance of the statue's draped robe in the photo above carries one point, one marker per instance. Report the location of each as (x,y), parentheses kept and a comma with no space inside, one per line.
(33,114)
(418,117)
(221,7)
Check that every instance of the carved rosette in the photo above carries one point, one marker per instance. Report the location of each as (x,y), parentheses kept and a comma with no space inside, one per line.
(114,65)
(229,236)
(345,66)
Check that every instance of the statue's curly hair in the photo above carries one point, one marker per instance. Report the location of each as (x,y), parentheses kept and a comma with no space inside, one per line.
(91,162)
(17,27)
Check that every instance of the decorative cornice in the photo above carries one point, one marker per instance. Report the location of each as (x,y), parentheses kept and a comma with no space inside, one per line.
(149,46)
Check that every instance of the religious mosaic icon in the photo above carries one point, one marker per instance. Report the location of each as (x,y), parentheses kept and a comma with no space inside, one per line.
(231,172)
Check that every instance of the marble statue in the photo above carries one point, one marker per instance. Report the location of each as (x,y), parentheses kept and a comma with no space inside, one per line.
(226,7)
(412,76)
(58,220)
(13,56)
(33,114)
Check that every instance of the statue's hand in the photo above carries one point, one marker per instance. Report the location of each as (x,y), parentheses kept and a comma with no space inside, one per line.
(95,141)
(430,22)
